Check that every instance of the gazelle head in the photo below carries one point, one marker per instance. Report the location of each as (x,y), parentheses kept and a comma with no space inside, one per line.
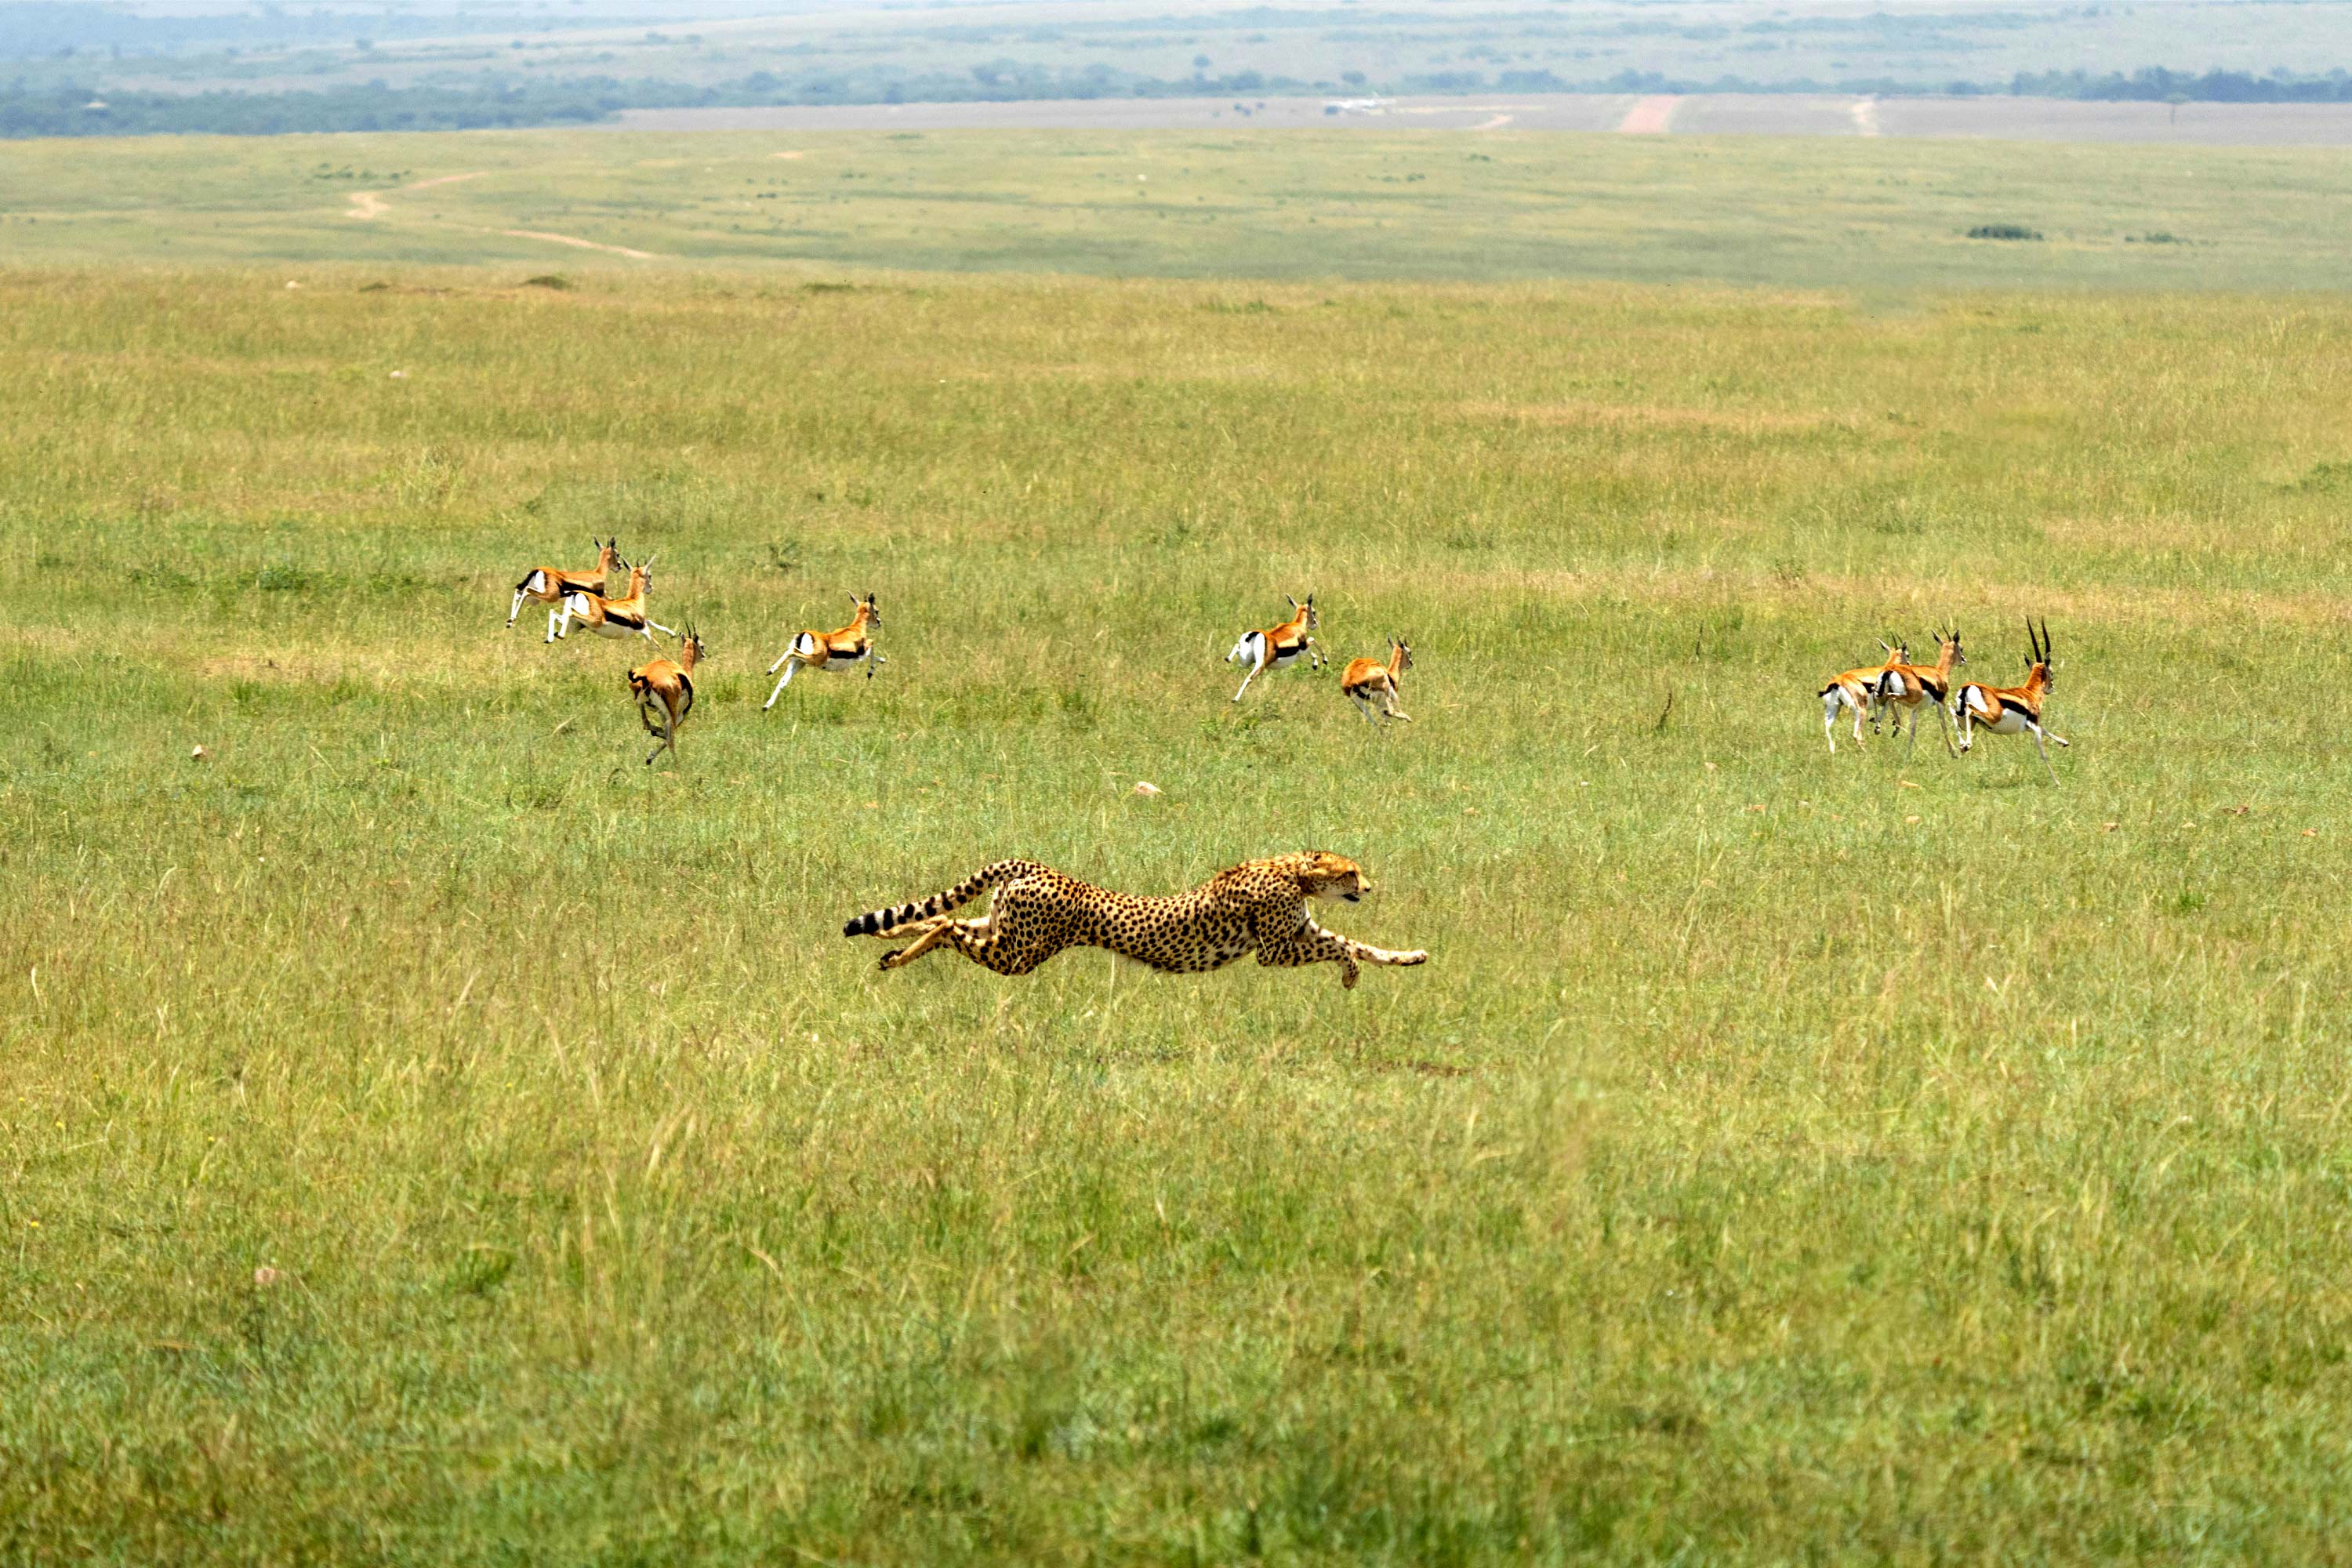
(1951,641)
(866,609)
(641,576)
(1897,652)
(1305,613)
(1401,659)
(608,553)
(690,652)
(2038,666)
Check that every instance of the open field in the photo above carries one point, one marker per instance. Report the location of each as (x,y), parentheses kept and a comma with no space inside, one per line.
(1780,1156)
(1882,215)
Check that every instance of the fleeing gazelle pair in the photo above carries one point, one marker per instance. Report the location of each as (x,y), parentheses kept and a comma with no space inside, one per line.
(579,596)
(1369,683)
(1904,685)
(665,687)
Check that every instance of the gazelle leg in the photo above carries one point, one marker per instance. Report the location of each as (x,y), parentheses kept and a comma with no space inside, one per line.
(652,627)
(779,659)
(2042,750)
(516,609)
(1946,728)
(2057,737)
(1364,708)
(1250,676)
(1829,721)
(790,663)
(1915,732)
(557,624)
(1857,723)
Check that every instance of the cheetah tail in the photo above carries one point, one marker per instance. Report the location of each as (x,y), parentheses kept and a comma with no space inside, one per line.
(879,923)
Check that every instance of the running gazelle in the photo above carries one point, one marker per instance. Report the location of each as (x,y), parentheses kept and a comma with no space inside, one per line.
(2015,709)
(622,617)
(1902,687)
(1366,680)
(1278,646)
(832,650)
(664,689)
(547,584)
(1858,690)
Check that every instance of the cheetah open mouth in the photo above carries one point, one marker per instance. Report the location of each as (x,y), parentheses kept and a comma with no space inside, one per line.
(1352,898)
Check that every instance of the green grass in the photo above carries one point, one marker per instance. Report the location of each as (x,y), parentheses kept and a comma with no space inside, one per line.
(1780,1156)
(1885,217)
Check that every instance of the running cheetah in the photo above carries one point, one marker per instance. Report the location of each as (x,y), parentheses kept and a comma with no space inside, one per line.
(1259,906)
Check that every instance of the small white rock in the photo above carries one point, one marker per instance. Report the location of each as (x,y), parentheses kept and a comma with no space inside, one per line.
(1142,787)
(200,755)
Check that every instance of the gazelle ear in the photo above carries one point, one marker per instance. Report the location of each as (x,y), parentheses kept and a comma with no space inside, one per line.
(1294,603)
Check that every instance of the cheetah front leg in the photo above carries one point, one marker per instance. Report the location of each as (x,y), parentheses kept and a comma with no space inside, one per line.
(1312,944)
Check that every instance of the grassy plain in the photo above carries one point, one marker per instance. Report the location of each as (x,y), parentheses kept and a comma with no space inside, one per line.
(1885,217)
(1782,1156)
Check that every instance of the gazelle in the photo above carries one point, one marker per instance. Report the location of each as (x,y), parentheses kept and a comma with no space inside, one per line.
(1902,687)
(832,650)
(1278,646)
(547,584)
(622,617)
(1857,689)
(664,689)
(1366,679)
(2015,709)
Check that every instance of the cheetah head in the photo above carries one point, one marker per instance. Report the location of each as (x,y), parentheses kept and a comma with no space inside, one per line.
(1323,875)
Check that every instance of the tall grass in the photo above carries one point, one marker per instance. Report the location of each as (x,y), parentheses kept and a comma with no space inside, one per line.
(1780,1156)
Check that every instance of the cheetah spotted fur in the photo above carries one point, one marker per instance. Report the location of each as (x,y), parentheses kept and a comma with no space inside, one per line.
(1258,907)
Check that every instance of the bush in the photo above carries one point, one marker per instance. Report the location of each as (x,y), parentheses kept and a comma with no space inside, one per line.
(2003,231)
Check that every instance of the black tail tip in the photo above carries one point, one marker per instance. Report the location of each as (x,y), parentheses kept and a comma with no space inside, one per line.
(862,925)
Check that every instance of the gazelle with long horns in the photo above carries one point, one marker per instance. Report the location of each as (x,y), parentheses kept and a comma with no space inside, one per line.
(2015,709)
(832,650)
(1858,690)
(547,584)
(664,689)
(1280,645)
(1902,687)
(622,617)
(1366,680)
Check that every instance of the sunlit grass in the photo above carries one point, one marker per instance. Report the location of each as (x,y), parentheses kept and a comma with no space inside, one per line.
(1779,1154)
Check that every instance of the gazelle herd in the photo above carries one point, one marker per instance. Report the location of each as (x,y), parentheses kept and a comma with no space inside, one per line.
(1893,691)
(1902,687)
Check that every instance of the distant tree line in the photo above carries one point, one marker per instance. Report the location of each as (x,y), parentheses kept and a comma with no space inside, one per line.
(27,111)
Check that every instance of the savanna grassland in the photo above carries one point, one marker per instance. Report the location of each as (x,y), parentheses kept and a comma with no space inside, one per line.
(1782,1156)
(1878,218)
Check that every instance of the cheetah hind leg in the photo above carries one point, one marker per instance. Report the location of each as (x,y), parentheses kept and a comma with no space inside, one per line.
(927,934)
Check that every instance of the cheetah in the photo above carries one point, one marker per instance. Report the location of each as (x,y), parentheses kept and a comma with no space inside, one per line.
(1259,906)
